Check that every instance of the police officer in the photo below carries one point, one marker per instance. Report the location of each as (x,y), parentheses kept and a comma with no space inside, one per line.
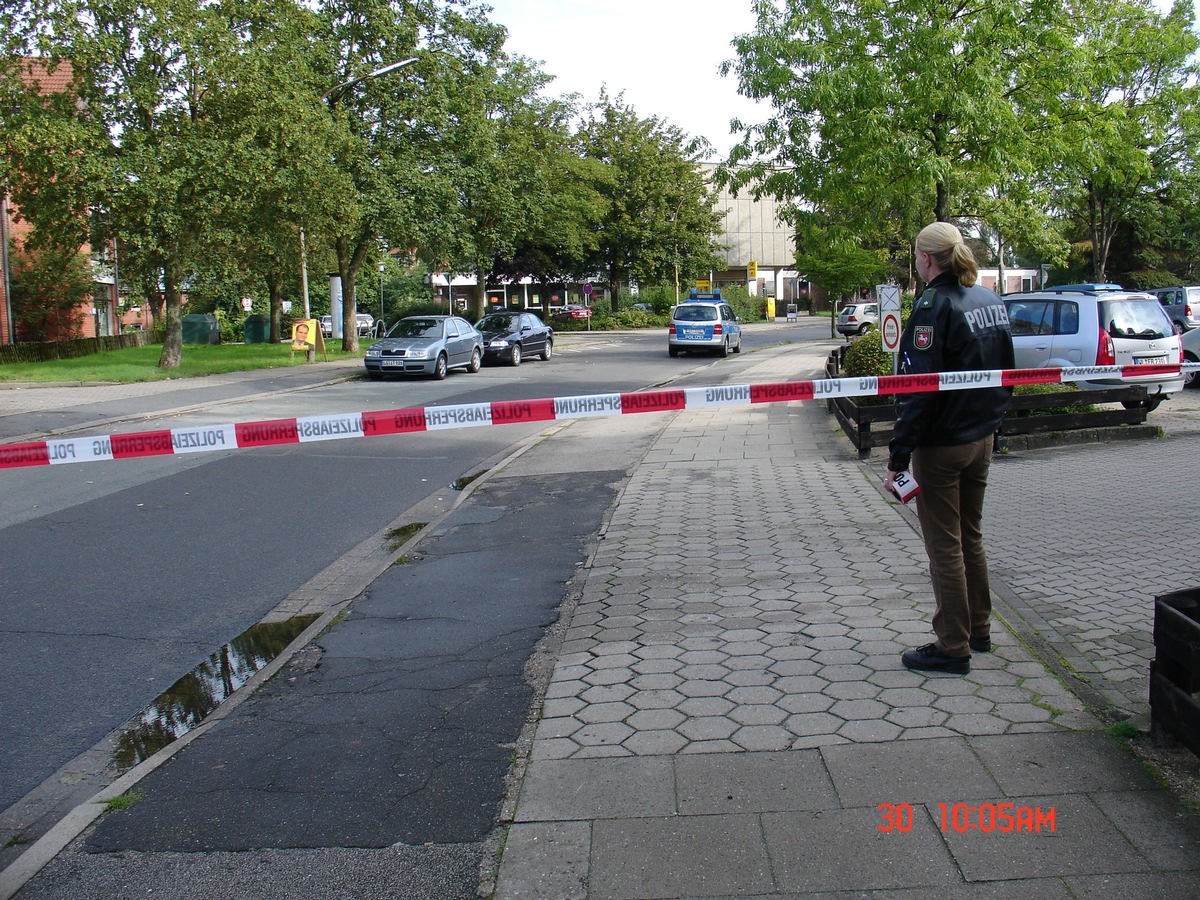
(955,326)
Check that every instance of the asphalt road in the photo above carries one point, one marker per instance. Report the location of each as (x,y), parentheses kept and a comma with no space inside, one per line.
(122,576)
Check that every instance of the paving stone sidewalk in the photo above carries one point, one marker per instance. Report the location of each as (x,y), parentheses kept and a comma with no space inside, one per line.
(728,710)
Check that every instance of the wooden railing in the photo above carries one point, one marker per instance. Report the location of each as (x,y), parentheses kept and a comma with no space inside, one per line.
(869,425)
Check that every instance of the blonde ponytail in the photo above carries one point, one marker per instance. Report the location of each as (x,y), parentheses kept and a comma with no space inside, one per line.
(944,243)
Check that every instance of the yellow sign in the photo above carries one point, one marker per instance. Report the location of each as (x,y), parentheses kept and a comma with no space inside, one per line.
(702,283)
(752,269)
(306,336)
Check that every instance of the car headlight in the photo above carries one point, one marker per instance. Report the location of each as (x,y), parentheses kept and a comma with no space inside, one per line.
(418,353)
(373,351)
(498,343)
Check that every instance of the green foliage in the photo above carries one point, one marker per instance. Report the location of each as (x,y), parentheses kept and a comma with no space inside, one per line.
(122,801)
(48,285)
(865,357)
(1124,731)
(139,363)
(660,298)
(1044,389)
(659,223)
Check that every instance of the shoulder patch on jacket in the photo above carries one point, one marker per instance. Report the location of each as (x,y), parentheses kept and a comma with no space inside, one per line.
(923,337)
(926,300)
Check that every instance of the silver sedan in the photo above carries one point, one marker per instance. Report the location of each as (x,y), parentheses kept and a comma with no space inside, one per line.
(429,345)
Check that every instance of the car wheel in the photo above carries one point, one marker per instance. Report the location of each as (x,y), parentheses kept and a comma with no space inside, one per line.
(737,348)
(439,368)
(514,355)
(548,350)
(724,351)
(672,352)
(1189,378)
(864,328)
(476,362)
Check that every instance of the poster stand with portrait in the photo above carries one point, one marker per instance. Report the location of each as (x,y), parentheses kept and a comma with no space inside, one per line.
(306,337)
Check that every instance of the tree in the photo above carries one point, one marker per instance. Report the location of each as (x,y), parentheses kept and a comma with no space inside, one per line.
(392,128)
(512,150)
(659,214)
(165,144)
(1130,125)
(928,99)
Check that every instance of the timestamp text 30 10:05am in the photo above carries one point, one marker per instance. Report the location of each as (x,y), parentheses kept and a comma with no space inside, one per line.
(986,817)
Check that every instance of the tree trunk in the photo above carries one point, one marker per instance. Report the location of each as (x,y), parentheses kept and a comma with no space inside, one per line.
(942,204)
(349,264)
(275,291)
(1001,281)
(478,295)
(172,351)
(1101,235)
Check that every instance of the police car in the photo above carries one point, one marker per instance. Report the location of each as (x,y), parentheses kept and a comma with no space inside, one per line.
(704,322)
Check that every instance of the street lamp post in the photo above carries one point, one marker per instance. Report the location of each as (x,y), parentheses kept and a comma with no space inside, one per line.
(382,266)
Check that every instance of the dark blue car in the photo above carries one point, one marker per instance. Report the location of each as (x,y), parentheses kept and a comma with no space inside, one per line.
(509,337)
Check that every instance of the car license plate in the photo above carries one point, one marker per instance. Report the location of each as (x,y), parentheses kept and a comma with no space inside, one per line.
(693,334)
(1149,360)
(391,362)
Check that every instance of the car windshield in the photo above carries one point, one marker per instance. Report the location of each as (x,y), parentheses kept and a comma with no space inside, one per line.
(496,323)
(429,328)
(695,313)
(1136,319)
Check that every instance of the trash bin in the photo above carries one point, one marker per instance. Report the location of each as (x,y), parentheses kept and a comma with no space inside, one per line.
(1175,670)
(201,328)
(256,329)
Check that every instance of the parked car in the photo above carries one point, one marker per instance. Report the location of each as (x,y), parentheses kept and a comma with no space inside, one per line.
(573,311)
(1096,325)
(366,324)
(858,318)
(1182,304)
(431,345)
(704,322)
(511,336)
(1191,353)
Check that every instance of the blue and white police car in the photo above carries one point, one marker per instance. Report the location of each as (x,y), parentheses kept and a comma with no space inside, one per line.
(704,322)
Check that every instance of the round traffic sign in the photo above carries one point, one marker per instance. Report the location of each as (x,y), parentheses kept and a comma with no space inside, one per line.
(587,288)
(891,332)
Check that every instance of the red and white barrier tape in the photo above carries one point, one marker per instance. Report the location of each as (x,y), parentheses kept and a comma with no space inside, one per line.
(303,429)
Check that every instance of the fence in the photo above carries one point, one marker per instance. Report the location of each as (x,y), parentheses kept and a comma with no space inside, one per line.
(41,351)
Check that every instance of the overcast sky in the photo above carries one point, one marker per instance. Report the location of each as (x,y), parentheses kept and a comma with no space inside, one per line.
(663,54)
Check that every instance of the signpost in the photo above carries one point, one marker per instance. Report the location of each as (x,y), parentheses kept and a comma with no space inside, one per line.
(889,319)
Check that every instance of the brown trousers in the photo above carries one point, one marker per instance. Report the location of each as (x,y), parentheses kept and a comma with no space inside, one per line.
(950,508)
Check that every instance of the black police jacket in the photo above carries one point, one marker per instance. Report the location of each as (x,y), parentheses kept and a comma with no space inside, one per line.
(952,329)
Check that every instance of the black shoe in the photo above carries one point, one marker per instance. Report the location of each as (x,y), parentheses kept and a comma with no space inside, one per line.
(981,645)
(931,659)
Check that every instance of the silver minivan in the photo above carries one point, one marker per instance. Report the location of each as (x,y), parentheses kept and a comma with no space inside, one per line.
(1099,325)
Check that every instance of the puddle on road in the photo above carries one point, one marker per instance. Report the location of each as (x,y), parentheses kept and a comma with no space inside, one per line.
(193,697)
